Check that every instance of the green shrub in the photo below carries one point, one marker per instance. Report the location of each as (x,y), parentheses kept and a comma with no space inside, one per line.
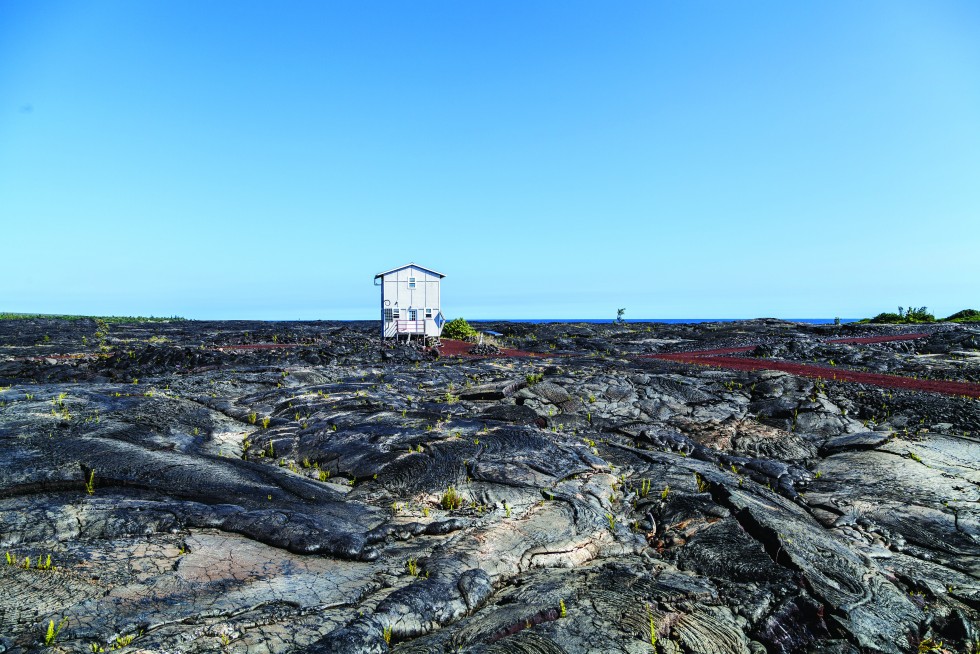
(966,315)
(910,315)
(533,378)
(451,499)
(920,314)
(459,330)
(887,318)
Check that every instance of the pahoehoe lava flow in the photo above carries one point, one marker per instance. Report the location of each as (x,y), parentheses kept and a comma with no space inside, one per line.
(746,487)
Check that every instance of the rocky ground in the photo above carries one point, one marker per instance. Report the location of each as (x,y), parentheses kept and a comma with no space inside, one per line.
(298,487)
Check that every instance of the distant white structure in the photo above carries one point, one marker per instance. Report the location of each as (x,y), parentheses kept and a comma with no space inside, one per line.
(410,301)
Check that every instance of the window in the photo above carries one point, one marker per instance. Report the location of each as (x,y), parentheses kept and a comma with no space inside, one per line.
(428,313)
(413,314)
(395,314)
(388,315)
(411,282)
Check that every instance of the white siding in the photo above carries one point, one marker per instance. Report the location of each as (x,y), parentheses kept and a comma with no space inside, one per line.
(397,293)
(396,289)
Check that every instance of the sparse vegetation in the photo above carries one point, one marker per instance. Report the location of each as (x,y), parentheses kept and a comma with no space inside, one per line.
(124,641)
(929,645)
(904,316)
(107,319)
(458,329)
(966,315)
(451,499)
(53,631)
(450,397)
(653,628)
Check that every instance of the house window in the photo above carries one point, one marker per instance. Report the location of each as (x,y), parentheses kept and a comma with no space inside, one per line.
(411,282)
(388,315)
(428,313)
(413,314)
(395,314)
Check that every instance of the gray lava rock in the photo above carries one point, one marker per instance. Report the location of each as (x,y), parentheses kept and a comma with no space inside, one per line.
(305,487)
(861,441)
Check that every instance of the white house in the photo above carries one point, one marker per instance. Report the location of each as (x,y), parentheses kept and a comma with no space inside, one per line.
(410,301)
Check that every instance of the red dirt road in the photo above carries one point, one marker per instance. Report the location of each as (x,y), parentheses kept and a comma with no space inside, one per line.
(826,372)
(723,359)
(451,348)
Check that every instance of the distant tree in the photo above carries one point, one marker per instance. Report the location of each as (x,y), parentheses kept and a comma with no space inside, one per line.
(917,314)
(619,316)
(910,315)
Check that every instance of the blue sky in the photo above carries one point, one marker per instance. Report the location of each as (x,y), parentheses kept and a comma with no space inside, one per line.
(554,159)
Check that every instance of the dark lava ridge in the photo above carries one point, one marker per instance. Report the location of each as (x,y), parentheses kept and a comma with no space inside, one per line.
(303,487)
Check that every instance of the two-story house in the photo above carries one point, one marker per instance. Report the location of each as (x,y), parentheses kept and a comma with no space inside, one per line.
(410,301)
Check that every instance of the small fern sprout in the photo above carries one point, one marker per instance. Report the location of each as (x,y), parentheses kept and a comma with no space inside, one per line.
(53,631)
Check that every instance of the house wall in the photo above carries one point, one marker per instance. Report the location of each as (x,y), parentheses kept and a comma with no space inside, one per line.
(396,294)
(425,294)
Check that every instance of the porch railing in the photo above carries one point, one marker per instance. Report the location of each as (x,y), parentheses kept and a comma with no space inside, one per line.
(410,326)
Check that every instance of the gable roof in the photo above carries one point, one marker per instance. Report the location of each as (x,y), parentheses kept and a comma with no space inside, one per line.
(410,265)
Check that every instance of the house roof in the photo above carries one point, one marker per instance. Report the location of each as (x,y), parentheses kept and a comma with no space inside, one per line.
(410,265)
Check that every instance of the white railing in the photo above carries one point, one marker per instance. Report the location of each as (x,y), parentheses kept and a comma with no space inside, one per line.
(410,326)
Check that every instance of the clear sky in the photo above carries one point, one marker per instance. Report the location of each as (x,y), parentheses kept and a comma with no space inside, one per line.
(234,159)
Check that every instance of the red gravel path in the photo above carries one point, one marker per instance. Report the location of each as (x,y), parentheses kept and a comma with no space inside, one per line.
(453,348)
(827,372)
(722,359)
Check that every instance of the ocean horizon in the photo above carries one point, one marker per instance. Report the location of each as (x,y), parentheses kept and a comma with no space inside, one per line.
(670,321)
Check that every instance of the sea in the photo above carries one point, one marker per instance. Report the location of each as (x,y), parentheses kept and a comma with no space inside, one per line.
(669,321)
